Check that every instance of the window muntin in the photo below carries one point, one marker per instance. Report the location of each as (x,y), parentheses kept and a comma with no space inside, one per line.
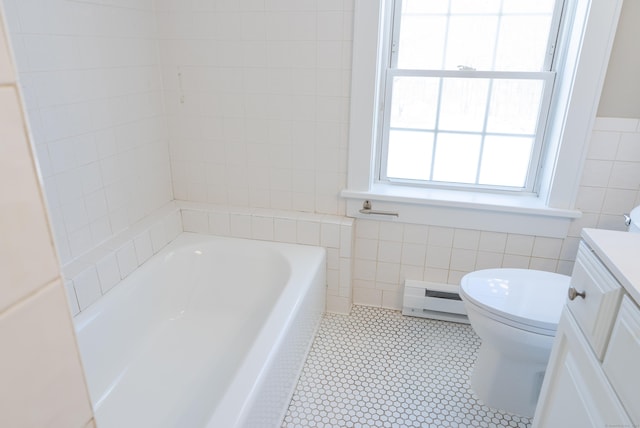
(468,89)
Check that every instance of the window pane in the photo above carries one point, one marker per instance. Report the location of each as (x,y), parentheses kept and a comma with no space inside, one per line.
(471,42)
(464,103)
(465,34)
(414,53)
(414,102)
(479,131)
(522,43)
(425,6)
(528,6)
(505,161)
(515,106)
(410,155)
(456,158)
(474,6)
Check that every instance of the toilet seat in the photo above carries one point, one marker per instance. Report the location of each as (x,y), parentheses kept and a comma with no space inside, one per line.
(527,299)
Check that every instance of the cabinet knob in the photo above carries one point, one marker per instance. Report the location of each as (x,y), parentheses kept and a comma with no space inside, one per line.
(573,293)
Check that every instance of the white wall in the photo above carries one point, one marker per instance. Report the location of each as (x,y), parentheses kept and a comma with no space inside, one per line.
(257,94)
(621,92)
(89,72)
(41,373)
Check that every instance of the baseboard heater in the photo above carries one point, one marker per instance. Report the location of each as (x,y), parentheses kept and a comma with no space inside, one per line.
(431,300)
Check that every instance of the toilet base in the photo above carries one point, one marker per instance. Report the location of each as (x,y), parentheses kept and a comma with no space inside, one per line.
(507,383)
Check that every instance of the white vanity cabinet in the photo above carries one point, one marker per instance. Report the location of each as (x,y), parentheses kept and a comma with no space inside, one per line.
(593,376)
(623,356)
(576,392)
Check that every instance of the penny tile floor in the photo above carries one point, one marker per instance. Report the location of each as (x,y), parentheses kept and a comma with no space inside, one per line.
(378,368)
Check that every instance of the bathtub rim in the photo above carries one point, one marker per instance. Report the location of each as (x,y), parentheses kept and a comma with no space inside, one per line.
(86,316)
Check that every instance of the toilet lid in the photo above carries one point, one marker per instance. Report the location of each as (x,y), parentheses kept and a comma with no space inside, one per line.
(528,297)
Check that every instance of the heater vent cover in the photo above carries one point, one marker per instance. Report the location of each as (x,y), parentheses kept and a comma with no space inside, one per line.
(431,300)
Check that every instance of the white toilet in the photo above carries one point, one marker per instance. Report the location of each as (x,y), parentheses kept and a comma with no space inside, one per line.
(515,312)
(633,220)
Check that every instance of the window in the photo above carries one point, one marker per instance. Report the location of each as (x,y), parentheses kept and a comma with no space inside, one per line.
(585,38)
(467,90)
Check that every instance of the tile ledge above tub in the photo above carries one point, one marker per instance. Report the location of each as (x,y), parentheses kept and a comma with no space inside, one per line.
(334,233)
(91,275)
(94,273)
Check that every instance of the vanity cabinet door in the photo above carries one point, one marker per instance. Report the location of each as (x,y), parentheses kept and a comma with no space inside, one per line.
(623,355)
(596,309)
(575,391)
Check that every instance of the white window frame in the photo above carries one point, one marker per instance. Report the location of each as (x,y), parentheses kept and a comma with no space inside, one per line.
(584,53)
(546,77)
(390,70)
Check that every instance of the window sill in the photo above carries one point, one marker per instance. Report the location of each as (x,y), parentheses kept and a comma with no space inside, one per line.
(466,210)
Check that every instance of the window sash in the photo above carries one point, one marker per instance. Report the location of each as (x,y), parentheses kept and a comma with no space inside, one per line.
(547,78)
(393,36)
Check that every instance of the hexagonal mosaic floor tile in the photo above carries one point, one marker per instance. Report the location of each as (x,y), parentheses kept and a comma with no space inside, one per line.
(378,368)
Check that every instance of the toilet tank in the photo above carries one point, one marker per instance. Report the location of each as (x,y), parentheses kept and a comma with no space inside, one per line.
(633,220)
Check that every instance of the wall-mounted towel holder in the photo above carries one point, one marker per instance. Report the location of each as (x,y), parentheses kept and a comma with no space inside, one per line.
(366,209)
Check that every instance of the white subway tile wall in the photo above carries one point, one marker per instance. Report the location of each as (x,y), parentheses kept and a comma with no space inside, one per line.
(257,96)
(387,253)
(93,274)
(39,355)
(615,145)
(90,74)
(87,286)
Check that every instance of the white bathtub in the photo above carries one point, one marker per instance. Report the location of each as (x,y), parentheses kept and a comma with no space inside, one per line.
(210,332)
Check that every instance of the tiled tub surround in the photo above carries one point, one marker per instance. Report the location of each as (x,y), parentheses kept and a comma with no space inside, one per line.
(92,85)
(388,252)
(158,352)
(257,97)
(95,273)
